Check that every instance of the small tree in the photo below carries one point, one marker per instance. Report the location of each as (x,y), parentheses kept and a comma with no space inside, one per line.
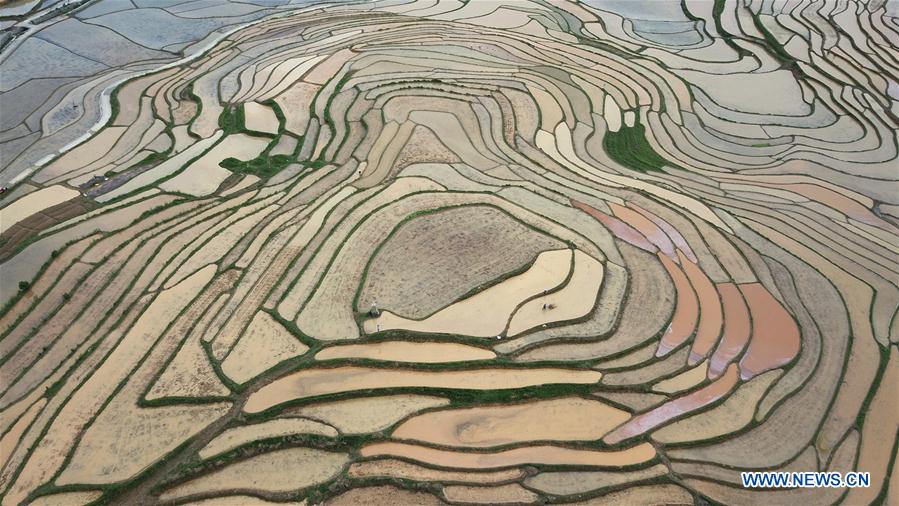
(23,285)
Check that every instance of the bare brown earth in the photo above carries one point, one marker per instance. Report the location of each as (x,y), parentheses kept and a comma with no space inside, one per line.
(482,244)
(422,252)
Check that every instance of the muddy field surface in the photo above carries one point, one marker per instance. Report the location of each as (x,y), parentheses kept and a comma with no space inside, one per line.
(423,252)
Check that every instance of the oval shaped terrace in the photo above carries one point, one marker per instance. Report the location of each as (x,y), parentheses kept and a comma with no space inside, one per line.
(447,252)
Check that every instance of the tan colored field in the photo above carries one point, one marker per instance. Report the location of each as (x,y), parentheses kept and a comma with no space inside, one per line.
(579,482)
(11,438)
(68,498)
(263,345)
(204,175)
(33,203)
(405,470)
(367,414)
(165,169)
(232,438)
(314,382)
(684,380)
(95,459)
(546,455)
(262,473)
(646,494)
(503,494)
(566,419)
(394,351)
(460,252)
(574,300)
(486,313)
(462,246)
(241,500)
(387,494)
(260,118)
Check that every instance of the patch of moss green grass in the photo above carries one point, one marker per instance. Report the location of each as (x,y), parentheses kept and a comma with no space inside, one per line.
(629,147)
(264,166)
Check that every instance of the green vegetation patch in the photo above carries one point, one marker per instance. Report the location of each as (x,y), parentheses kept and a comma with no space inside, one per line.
(264,165)
(232,120)
(629,147)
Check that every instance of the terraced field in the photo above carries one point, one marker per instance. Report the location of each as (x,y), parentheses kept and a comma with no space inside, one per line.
(436,251)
